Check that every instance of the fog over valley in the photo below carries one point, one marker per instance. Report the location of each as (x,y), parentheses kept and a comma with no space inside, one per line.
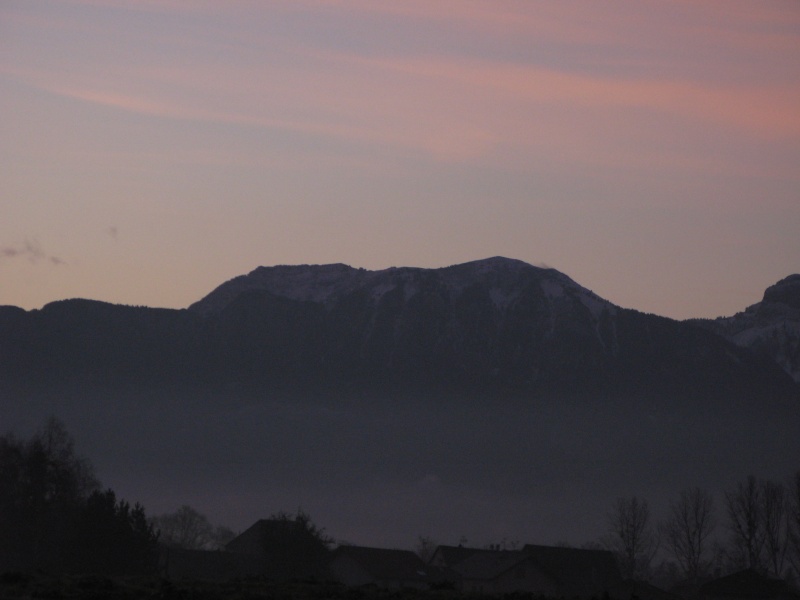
(501,451)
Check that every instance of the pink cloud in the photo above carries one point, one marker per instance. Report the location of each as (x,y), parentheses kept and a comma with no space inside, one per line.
(456,107)
(455,110)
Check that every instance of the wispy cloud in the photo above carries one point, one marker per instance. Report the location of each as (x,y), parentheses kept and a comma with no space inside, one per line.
(453,105)
(30,250)
(453,109)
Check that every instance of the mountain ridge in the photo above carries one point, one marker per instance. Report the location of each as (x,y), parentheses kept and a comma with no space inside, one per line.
(320,282)
(470,396)
(770,327)
(491,326)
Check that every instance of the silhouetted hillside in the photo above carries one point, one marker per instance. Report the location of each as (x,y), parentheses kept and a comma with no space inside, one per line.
(770,328)
(484,397)
(498,327)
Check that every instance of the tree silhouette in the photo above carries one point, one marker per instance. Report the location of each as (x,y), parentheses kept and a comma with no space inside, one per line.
(294,546)
(794,524)
(745,520)
(776,514)
(687,529)
(425,547)
(631,537)
(113,537)
(54,519)
(42,481)
(187,528)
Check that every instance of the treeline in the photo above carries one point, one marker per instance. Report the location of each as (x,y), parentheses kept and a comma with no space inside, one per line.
(55,517)
(757,527)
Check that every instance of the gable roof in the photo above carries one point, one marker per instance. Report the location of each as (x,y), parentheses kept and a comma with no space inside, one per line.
(287,548)
(578,571)
(743,584)
(576,565)
(384,564)
(264,531)
(489,564)
(450,555)
(253,539)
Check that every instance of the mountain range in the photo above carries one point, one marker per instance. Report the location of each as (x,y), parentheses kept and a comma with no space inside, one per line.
(770,327)
(488,399)
(497,326)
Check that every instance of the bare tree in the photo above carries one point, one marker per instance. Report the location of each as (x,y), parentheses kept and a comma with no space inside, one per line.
(775,512)
(746,523)
(185,528)
(687,529)
(794,525)
(631,537)
(425,547)
(220,537)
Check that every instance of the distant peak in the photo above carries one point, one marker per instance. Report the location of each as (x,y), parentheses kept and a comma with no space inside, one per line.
(327,282)
(323,268)
(786,291)
(495,262)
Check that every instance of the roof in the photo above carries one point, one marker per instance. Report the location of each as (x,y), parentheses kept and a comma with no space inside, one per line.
(450,555)
(287,547)
(274,530)
(489,564)
(576,566)
(251,540)
(384,564)
(746,584)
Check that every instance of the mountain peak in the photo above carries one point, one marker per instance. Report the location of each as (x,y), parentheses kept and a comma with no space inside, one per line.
(496,262)
(313,283)
(770,327)
(325,284)
(495,325)
(786,291)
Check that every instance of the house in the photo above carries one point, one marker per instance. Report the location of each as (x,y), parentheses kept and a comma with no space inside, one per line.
(641,590)
(748,584)
(287,548)
(252,540)
(503,571)
(548,570)
(385,568)
(445,557)
(579,572)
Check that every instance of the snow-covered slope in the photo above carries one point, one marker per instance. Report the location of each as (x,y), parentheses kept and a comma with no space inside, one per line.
(325,284)
(771,327)
(487,328)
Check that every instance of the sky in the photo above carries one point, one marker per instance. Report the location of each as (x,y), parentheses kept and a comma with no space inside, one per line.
(151,150)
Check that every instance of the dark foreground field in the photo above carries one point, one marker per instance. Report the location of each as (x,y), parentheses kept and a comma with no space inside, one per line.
(89,587)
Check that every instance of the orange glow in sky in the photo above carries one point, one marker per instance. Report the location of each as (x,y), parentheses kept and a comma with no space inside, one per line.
(152,150)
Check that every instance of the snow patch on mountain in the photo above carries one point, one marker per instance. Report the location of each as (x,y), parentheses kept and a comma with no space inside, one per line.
(558,288)
(316,284)
(552,289)
(502,298)
(594,303)
(770,327)
(378,291)
(504,279)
